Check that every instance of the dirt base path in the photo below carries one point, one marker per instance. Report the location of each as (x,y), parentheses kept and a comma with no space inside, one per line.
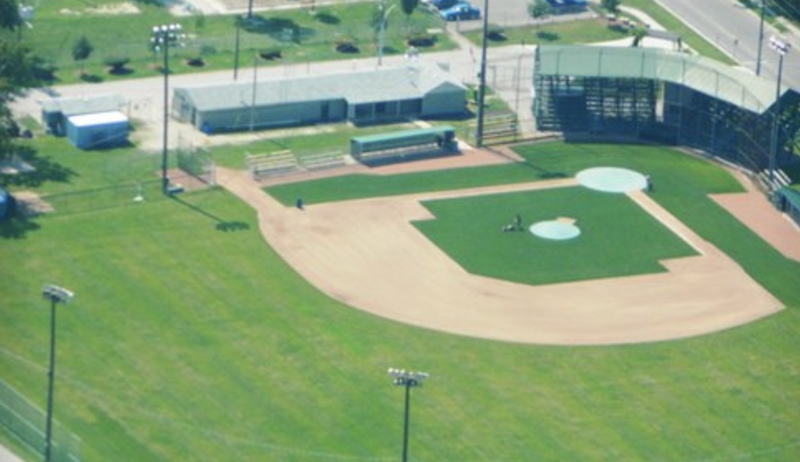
(366,253)
(755,212)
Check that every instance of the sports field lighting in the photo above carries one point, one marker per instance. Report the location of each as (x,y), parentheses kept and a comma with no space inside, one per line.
(56,295)
(782,48)
(163,38)
(482,76)
(407,379)
(760,39)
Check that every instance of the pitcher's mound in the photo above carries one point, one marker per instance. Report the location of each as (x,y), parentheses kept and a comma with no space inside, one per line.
(560,230)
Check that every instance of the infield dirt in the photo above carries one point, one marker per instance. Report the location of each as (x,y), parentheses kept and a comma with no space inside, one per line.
(366,254)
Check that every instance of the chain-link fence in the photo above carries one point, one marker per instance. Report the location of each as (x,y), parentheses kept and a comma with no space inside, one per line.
(26,422)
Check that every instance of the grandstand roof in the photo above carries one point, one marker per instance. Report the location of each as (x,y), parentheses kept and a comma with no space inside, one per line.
(388,84)
(701,74)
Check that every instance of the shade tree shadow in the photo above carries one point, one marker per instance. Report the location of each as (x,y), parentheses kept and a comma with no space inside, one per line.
(277,28)
(44,170)
(221,225)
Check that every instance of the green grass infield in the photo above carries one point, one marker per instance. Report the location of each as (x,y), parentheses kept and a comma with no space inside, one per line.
(617,237)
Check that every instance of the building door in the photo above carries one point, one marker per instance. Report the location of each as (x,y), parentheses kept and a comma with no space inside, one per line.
(325,111)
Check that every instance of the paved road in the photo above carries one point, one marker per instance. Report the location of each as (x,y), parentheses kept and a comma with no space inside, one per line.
(734,29)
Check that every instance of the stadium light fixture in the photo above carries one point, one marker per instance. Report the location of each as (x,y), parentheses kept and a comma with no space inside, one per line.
(781,48)
(55,295)
(408,380)
(164,37)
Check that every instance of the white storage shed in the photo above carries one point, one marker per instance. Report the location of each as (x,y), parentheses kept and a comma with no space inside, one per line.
(100,130)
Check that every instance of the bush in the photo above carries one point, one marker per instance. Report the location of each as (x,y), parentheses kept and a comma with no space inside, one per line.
(116,63)
(421,40)
(270,54)
(496,34)
(346,45)
(195,61)
(44,69)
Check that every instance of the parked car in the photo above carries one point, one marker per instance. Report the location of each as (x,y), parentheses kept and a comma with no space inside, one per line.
(442,5)
(460,12)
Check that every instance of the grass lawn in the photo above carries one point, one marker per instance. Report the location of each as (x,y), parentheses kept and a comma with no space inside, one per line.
(671,23)
(567,32)
(617,238)
(191,340)
(212,37)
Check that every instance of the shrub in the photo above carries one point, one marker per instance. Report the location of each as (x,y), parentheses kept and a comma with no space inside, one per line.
(346,45)
(116,63)
(195,61)
(496,34)
(421,39)
(270,54)
(44,69)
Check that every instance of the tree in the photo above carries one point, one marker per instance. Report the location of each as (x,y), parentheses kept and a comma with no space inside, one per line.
(639,33)
(81,50)
(408,7)
(10,18)
(539,9)
(612,6)
(16,73)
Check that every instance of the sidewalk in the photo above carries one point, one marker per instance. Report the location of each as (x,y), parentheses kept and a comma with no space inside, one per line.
(7,456)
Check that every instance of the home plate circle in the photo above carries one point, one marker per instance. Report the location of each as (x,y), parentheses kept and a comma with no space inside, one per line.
(559,230)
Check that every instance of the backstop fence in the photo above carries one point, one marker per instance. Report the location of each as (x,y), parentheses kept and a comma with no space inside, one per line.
(26,423)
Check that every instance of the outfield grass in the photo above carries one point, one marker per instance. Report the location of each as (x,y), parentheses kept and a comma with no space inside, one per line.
(617,238)
(191,340)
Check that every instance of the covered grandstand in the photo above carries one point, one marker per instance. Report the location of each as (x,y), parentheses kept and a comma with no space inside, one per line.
(664,96)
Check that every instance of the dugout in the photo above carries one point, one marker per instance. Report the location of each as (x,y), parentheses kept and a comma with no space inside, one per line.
(663,96)
(404,145)
(787,200)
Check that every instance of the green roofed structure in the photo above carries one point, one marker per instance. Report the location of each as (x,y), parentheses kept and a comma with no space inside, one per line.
(664,96)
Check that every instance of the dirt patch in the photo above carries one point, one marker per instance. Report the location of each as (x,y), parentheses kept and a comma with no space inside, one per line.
(29,204)
(755,212)
(109,9)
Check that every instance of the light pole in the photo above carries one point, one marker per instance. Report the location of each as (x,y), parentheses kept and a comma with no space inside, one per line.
(407,379)
(238,24)
(781,48)
(56,295)
(162,38)
(760,39)
(482,76)
(382,32)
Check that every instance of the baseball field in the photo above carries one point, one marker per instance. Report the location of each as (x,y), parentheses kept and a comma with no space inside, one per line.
(204,328)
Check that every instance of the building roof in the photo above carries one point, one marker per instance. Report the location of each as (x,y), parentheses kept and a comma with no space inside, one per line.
(696,72)
(86,105)
(387,84)
(98,118)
